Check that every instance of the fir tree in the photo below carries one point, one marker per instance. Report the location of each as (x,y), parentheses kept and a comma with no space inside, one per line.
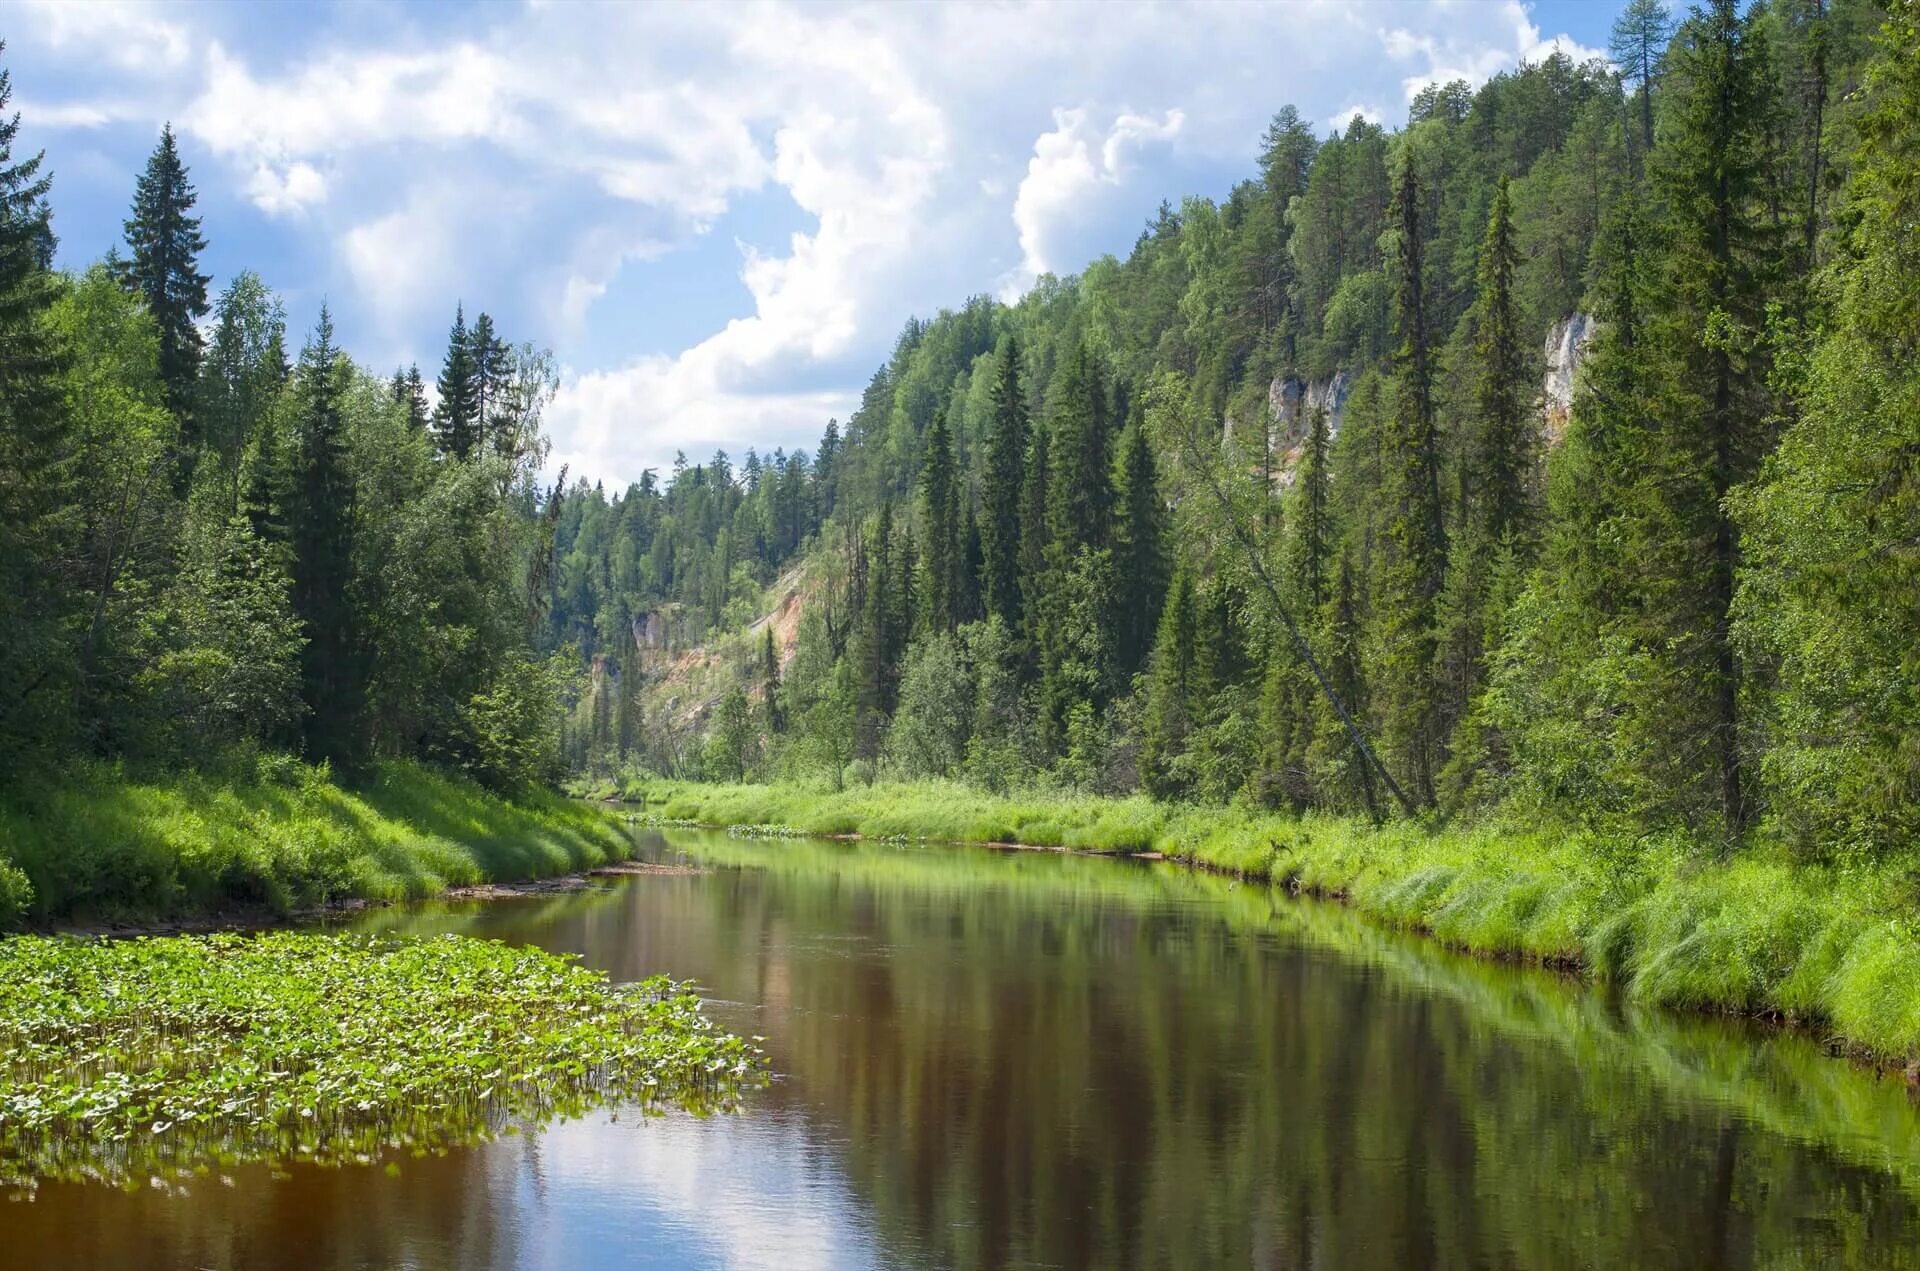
(456,419)
(166,245)
(1000,491)
(37,458)
(1080,483)
(320,526)
(940,515)
(1169,705)
(1414,570)
(1141,555)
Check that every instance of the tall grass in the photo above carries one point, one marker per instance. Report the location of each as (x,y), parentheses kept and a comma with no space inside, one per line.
(104,843)
(1835,947)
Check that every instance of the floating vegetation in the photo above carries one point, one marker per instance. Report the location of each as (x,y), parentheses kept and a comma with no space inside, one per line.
(125,1061)
(767,832)
(654,821)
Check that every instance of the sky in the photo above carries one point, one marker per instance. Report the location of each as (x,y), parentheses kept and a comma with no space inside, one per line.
(717,216)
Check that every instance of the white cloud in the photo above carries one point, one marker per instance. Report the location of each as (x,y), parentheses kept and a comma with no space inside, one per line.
(551,159)
(1069,165)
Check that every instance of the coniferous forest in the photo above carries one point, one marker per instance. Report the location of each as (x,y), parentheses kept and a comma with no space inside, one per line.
(1552,451)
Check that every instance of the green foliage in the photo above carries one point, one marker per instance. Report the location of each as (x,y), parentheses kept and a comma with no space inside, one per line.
(260,831)
(132,1058)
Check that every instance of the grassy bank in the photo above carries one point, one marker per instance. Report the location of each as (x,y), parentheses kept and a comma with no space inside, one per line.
(106,844)
(1834,947)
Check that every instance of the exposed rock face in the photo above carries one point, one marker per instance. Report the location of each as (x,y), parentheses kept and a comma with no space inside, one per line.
(1291,401)
(1566,347)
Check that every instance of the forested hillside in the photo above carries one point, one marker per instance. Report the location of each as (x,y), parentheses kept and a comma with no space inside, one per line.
(212,548)
(1552,450)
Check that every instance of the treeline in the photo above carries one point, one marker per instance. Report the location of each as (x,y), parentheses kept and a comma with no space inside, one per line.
(1271,510)
(211,549)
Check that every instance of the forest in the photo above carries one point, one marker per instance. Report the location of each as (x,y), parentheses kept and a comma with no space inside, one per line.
(1552,453)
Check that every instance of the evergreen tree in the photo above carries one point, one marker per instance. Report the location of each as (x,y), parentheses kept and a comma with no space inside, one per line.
(410,393)
(491,360)
(1000,491)
(1140,553)
(320,525)
(166,245)
(1723,251)
(1034,538)
(769,676)
(1638,46)
(1169,714)
(1080,483)
(37,460)
(939,493)
(1414,568)
(456,419)
(1310,529)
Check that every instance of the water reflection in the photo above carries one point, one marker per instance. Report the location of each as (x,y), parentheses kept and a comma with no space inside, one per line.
(1026,1060)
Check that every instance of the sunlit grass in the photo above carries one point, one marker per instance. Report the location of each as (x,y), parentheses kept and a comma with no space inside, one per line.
(1833,947)
(108,844)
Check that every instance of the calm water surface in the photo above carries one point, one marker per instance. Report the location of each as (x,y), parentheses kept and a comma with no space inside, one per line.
(1021,1059)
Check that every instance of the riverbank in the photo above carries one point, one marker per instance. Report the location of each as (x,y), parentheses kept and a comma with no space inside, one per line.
(104,846)
(1832,948)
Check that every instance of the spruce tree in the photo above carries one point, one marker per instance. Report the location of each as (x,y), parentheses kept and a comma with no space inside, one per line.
(940,515)
(1169,714)
(166,245)
(1034,538)
(1723,250)
(38,455)
(492,410)
(1000,491)
(411,393)
(320,525)
(1414,569)
(1140,551)
(769,676)
(456,419)
(1080,483)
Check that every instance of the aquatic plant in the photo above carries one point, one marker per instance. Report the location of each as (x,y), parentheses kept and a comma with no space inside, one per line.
(127,1060)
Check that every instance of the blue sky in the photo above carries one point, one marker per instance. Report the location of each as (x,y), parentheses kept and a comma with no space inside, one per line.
(717,216)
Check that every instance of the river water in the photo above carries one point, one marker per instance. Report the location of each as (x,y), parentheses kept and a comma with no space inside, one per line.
(988,1059)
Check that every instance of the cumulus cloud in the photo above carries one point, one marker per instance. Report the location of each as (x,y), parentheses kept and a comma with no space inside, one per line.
(1070,163)
(546,158)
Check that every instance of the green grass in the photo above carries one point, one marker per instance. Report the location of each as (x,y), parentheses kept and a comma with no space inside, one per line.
(122,1060)
(1836,948)
(105,844)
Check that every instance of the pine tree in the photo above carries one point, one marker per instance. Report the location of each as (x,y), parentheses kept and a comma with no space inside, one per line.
(166,245)
(1639,46)
(37,460)
(1000,492)
(456,419)
(940,514)
(1140,552)
(1411,577)
(320,525)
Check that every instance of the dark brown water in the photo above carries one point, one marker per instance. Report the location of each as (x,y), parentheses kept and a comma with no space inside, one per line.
(1021,1059)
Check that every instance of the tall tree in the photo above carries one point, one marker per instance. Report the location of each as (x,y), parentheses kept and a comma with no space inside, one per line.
(166,244)
(1080,456)
(1414,568)
(1140,549)
(37,458)
(456,419)
(410,393)
(1723,251)
(1638,47)
(320,524)
(940,514)
(1000,490)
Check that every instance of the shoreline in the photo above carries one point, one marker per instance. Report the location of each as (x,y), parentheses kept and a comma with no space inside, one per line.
(1794,946)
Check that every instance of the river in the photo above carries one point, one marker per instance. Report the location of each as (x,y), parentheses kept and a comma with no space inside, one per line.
(995,1058)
